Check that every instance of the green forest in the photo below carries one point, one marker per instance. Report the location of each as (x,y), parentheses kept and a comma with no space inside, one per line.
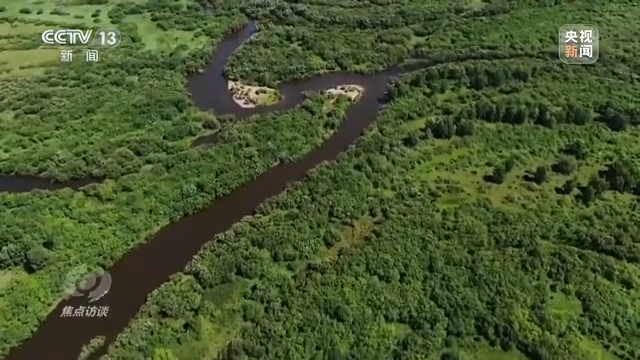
(490,212)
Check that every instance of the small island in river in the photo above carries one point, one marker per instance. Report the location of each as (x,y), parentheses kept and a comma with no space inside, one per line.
(352,91)
(248,96)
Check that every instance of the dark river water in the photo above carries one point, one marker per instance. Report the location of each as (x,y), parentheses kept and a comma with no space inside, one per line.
(146,267)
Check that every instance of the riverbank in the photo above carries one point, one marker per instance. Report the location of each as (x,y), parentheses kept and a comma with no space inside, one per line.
(249,96)
(140,271)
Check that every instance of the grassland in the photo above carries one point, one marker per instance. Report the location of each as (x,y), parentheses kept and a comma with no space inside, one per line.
(21,25)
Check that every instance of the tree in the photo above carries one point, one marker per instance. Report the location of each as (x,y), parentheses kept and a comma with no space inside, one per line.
(443,129)
(592,191)
(611,117)
(410,141)
(464,128)
(500,171)
(37,259)
(577,149)
(621,176)
(567,187)
(565,166)
(478,81)
(540,174)
(520,117)
(576,114)
(545,116)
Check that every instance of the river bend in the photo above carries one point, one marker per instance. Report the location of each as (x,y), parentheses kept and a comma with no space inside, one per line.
(149,265)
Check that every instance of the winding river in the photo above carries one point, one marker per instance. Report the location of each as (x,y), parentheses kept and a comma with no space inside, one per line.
(148,266)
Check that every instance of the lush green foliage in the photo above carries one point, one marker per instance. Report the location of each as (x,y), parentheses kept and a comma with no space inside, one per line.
(72,121)
(490,212)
